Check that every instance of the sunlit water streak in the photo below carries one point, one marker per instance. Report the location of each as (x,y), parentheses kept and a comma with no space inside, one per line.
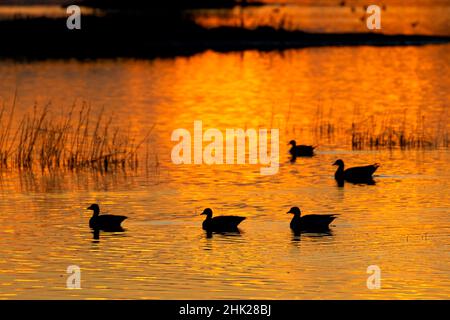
(400,224)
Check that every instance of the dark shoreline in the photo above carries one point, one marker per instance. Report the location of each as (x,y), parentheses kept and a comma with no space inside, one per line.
(110,37)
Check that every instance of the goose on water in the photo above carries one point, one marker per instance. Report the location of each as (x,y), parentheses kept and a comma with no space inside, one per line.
(300,150)
(355,174)
(310,222)
(105,222)
(220,223)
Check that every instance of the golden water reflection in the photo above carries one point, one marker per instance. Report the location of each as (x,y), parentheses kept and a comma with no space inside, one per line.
(400,224)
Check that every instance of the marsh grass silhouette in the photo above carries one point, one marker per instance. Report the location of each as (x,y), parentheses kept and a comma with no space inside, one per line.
(387,132)
(383,131)
(75,141)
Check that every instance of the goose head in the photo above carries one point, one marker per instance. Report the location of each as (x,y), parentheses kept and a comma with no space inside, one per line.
(207,212)
(94,207)
(292,143)
(295,211)
(339,163)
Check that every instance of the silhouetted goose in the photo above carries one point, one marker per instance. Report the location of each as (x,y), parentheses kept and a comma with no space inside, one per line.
(355,174)
(221,223)
(105,222)
(301,150)
(310,222)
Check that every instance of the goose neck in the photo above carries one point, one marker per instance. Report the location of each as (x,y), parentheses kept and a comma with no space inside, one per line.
(96,213)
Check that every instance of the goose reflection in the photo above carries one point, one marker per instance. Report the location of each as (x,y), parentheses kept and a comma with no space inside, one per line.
(370,182)
(293,159)
(210,234)
(115,232)
(297,235)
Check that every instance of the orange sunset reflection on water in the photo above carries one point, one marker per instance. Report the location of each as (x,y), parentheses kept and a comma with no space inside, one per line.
(312,95)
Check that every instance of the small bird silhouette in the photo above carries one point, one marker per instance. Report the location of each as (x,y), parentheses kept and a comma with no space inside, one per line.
(355,174)
(301,150)
(104,222)
(220,223)
(310,222)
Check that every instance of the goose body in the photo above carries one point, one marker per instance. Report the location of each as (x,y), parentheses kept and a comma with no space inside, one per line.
(311,222)
(301,150)
(105,222)
(220,223)
(355,174)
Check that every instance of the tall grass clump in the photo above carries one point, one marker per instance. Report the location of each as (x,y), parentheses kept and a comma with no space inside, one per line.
(73,141)
(387,130)
(390,131)
(6,142)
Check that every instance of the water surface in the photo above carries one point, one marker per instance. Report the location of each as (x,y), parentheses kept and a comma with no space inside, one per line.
(400,224)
